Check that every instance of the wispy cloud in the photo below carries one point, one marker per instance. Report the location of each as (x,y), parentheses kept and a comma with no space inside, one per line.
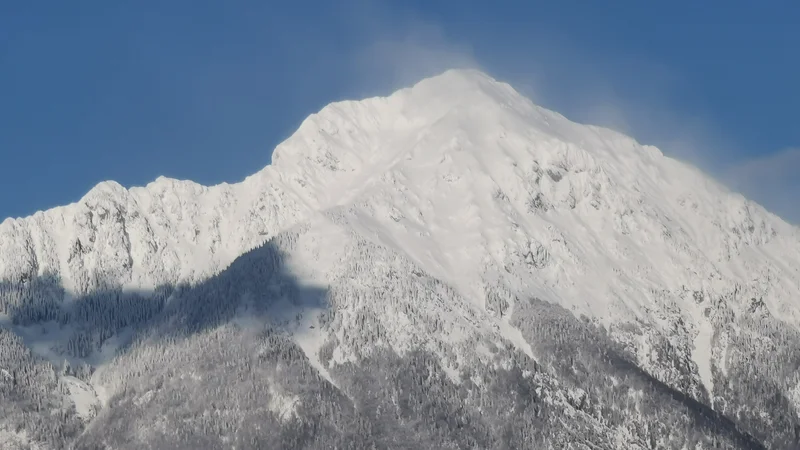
(636,96)
(390,61)
(772,180)
(783,165)
(629,95)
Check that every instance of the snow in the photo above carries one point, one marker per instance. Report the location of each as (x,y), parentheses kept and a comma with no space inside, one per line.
(309,335)
(464,177)
(702,355)
(514,335)
(285,406)
(82,395)
(16,440)
(794,395)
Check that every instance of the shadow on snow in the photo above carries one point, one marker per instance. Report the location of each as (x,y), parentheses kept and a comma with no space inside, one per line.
(90,328)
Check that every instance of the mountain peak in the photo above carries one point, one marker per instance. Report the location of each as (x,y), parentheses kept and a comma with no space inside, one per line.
(461,87)
(459,79)
(347,139)
(459,155)
(474,75)
(105,190)
(453,219)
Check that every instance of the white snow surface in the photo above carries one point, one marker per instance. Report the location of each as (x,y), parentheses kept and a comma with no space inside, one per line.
(469,180)
(82,395)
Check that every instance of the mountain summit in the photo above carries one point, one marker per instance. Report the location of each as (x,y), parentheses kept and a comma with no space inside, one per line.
(452,226)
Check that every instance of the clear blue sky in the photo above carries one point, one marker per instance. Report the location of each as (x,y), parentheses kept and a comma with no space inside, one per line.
(203,90)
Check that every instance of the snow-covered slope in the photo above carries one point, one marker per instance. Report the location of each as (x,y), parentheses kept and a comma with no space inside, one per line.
(464,179)
(468,172)
(464,175)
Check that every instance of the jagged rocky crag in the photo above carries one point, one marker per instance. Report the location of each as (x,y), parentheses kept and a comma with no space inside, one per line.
(451,266)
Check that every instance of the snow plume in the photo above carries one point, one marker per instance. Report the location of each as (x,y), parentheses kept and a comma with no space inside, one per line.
(630,94)
(773,180)
(399,53)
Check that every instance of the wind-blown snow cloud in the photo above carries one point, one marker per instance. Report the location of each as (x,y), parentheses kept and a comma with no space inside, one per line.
(551,71)
(633,96)
(772,180)
(419,51)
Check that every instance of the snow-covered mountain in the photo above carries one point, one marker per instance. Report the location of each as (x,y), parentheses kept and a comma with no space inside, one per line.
(453,218)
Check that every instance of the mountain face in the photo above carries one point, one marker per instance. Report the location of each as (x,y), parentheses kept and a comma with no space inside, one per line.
(450,266)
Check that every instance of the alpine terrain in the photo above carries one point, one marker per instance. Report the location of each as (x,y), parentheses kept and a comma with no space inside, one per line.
(450,266)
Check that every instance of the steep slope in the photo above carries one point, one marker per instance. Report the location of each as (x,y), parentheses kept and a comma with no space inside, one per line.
(445,220)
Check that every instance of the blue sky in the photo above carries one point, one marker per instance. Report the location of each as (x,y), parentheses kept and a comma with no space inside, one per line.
(203,90)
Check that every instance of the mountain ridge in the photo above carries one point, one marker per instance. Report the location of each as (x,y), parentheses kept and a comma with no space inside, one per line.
(172,231)
(465,80)
(445,217)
